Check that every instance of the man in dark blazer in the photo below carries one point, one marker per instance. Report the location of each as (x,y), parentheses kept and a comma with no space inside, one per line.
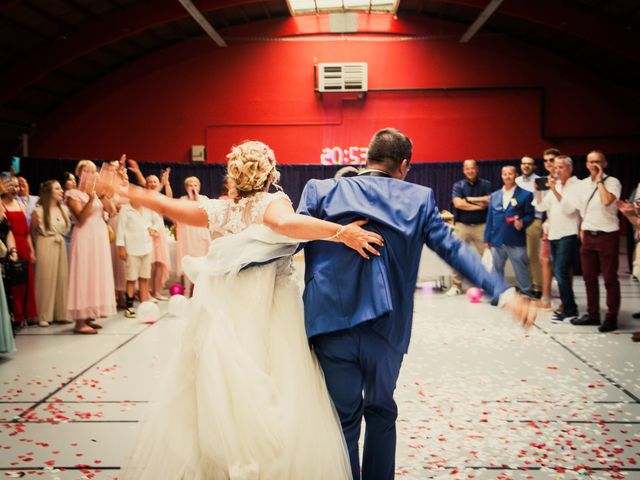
(510,213)
(358,312)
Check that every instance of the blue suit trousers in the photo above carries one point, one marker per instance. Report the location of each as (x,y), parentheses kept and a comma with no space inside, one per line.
(361,370)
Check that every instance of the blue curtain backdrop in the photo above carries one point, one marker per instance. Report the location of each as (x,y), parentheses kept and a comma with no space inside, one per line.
(438,176)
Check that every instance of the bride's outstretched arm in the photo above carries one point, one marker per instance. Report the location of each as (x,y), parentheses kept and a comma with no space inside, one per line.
(178,210)
(280,217)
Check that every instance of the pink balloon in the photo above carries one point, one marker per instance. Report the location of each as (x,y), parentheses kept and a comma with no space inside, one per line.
(176,289)
(474,294)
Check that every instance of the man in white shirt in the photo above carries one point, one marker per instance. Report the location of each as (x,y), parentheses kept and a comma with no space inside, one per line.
(564,219)
(134,241)
(600,243)
(534,231)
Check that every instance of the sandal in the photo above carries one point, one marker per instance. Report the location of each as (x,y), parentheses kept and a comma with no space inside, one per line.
(86,330)
(93,324)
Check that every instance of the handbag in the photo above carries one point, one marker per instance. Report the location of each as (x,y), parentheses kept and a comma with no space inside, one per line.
(15,272)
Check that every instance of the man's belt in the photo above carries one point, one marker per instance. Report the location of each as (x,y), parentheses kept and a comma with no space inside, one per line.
(598,233)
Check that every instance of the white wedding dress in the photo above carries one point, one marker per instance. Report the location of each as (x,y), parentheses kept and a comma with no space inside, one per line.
(244,398)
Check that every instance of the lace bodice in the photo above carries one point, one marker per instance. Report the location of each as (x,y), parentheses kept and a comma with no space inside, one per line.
(227,217)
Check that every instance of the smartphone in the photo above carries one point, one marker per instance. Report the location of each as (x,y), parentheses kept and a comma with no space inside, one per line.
(541,183)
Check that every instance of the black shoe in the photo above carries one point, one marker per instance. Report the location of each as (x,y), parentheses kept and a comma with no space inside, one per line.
(561,317)
(636,315)
(585,320)
(609,325)
(536,294)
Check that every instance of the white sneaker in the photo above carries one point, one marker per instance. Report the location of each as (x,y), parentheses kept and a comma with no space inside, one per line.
(162,298)
(453,291)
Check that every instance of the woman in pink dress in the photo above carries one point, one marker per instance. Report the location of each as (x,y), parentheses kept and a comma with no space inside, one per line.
(191,240)
(161,261)
(91,287)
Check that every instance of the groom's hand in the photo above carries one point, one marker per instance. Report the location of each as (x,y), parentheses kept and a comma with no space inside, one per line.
(361,240)
(523,309)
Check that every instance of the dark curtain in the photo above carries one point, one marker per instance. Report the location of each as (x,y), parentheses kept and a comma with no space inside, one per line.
(439,176)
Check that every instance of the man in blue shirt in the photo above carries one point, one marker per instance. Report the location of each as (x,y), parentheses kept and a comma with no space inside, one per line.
(470,199)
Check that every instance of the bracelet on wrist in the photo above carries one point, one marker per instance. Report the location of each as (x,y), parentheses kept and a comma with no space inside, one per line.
(336,236)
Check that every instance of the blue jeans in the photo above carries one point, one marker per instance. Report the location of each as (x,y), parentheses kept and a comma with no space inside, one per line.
(519,261)
(562,251)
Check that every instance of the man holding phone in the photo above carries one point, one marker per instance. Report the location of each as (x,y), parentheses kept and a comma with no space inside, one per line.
(561,207)
(600,242)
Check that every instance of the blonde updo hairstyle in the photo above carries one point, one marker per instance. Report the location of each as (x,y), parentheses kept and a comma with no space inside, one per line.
(251,166)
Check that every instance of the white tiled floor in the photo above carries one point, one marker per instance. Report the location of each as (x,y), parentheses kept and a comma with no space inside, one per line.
(478,397)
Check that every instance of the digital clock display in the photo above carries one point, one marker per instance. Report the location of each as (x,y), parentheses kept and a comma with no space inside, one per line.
(343,155)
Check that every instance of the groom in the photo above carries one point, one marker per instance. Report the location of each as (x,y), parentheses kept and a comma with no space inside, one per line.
(358,312)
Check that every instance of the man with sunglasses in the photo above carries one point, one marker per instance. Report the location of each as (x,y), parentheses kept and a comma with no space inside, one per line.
(546,268)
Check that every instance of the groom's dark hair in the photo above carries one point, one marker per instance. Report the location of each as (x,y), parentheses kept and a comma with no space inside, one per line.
(389,147)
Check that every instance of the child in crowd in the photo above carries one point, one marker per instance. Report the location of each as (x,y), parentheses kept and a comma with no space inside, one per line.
(137,227)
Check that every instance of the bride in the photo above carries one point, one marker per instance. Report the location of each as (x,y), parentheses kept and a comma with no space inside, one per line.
(245,397)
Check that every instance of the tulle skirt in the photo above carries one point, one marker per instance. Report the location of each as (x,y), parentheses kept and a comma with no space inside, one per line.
(245,397)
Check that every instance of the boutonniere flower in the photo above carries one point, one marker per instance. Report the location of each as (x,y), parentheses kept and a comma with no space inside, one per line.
(514,202)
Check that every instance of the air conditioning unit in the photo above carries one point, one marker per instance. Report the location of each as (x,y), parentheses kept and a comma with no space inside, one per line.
(341,77)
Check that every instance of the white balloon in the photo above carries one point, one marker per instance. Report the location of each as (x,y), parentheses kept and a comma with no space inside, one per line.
(148,312)
(178,305)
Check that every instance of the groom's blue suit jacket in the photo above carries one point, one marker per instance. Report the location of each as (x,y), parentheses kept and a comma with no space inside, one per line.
(342,289)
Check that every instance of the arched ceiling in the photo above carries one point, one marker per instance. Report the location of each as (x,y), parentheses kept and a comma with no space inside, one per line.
(51,50)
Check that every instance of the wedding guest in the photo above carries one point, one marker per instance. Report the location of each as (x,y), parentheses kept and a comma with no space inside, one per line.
(118,265)
(91,284)
(29,201)
(228,189)
(137,226)
(23,298)
(564,220)
(191,240)
(49,224)
(68,182)
(470,198)
(510,212)
(161,258)
(7,342)
(546,268)
(527,182)
(600,243)
(632,212)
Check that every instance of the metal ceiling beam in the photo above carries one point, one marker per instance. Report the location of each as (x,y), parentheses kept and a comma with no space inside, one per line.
(566,18)
(485,15)
(203,22)
(107,29)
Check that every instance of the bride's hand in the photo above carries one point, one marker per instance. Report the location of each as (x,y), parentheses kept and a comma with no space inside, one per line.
(361,240)
(110,181)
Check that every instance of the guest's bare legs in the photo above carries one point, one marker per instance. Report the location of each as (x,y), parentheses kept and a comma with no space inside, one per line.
(143,287)
(155,283)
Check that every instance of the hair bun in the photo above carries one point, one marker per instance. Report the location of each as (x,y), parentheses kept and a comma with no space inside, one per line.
(249,166)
